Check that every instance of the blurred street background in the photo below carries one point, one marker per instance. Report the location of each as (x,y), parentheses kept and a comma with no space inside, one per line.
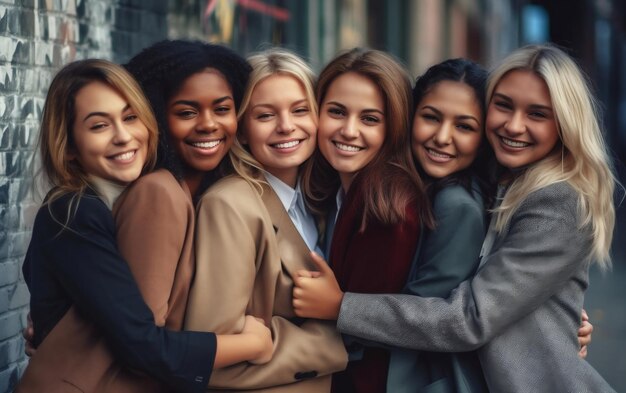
(37,37)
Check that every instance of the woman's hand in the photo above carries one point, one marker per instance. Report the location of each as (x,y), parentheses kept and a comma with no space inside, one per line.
(317,294)
(256,329)
(29,335)
(584,334)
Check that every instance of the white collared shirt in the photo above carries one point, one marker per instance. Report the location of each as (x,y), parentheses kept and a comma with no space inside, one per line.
(293,202)
(107,190)
(339,200)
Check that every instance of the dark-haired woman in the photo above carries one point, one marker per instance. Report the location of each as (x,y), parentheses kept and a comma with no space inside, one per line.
(194,89)
(453,157)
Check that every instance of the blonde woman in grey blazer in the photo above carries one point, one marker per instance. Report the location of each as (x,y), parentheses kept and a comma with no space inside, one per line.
(521,311)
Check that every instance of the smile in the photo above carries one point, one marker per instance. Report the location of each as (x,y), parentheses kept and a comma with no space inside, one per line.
(124,157)
(512,143)
(438,154)
(206,144)
(349,148)
(286,145)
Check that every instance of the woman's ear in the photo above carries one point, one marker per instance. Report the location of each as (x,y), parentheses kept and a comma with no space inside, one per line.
(71,154)
(242,138)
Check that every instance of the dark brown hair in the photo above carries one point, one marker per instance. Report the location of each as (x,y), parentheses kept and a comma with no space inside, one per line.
(389,182)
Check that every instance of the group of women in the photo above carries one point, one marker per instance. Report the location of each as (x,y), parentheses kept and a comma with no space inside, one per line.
(312,234)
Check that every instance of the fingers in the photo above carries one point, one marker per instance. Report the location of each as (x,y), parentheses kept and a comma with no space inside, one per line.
(585,329)
(584,315)
(320,263)
(583,352)
(307,273)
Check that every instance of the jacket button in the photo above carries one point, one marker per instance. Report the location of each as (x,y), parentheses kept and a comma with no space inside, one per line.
(305,375)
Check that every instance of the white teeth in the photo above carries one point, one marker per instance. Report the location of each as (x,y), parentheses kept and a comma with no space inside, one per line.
(437,154)
(286,145)
(512,143)
(206,145)
(124,156)
(343,147)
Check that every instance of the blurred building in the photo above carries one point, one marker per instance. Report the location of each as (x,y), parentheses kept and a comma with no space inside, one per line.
(423,32)
(39,36)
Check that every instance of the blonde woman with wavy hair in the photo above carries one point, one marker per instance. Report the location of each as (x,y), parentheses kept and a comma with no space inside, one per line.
(522,309)
(580,158)
(265,64)
(254,229)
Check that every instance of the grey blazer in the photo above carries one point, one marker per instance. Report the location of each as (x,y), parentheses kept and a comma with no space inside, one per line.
(447,256)
(521,310)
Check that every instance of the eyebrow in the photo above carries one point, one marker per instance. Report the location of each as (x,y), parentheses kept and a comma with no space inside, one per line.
(532,106)
(104,114)
(196,104)
(460,117)
(369,110)
(263,104)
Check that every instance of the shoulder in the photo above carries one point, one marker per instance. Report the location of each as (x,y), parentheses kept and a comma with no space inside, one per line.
(161,181)
(76,212)
(456,200)
(229,186)
(156,191)
(557,197)
(231,191)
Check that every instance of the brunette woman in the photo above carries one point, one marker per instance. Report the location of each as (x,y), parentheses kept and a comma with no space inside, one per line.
(365,173)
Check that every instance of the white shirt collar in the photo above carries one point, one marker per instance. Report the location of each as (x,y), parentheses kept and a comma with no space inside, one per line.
(293,202)
(286,194)
(339,198)
(107,190)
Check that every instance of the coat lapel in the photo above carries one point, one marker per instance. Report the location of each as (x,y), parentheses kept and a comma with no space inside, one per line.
(294,253)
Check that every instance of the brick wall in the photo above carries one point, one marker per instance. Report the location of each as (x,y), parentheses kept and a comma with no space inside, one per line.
(37,37)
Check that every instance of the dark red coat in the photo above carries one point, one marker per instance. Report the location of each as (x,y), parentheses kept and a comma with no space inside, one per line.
(375,260)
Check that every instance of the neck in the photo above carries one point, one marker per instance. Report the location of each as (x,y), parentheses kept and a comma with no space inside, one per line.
(288,176)
(109,191)
(346,180)
(193,181)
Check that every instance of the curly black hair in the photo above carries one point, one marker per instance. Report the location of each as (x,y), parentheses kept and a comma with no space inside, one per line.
(162,68)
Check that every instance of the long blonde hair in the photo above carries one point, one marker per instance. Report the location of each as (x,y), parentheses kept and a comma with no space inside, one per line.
(56,139)
(583,161)
(265,64)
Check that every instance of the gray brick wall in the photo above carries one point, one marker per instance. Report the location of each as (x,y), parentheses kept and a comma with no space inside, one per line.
(37,37)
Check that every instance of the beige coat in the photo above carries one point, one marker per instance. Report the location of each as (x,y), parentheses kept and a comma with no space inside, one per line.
(155,228)
(155,222)
(247,251)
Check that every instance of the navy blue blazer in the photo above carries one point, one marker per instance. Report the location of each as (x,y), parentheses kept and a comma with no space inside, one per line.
(76,262)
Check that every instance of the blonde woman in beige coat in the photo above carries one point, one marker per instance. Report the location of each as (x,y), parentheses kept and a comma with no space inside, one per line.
(253,233)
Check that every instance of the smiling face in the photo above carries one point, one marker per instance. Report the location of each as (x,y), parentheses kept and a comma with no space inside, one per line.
(352,124)
(280,126)
(203,121)
(447,129)
(109,139)
(521,124)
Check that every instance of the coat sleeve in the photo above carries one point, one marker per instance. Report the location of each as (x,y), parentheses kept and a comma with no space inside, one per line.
(233,242)
(450,253)
(85,259)
(153,220)
(542,250)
